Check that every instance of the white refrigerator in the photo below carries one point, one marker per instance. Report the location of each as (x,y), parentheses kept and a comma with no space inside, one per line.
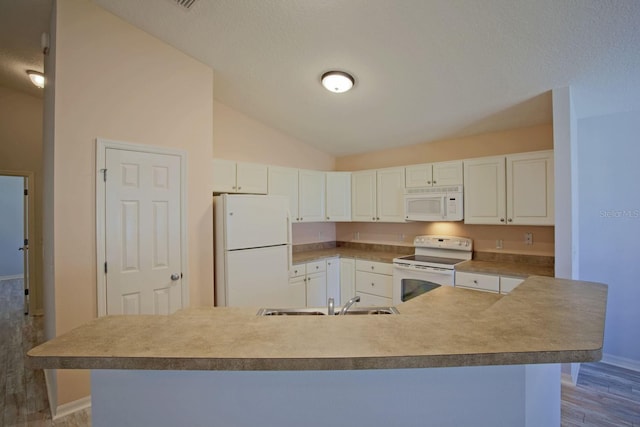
(253,252)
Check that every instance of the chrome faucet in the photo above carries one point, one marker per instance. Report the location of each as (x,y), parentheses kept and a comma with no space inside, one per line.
(349,303)
(331,309)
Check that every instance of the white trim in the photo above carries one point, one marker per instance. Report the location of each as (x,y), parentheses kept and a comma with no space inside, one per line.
(15,276)
(72,407)
(101,150)
(621,362)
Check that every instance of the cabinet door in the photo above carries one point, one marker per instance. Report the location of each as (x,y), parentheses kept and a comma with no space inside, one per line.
(363,196)
(347,279)
(317,289)
(418,176)
(251,178)
(311,195)
(484,191)
(284,182)
(333,280)
(390,195)
(530,189)
(370,300)
(338,198)
(224,176)
(447,173)
(297,296)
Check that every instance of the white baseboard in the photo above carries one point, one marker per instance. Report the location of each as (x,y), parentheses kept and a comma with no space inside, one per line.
(16,276)
(71,407)
(621,362)
(66,409)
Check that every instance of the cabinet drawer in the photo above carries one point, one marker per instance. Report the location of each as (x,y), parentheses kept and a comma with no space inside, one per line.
(374,267)
(375,284)
(368,300)
(298,270)
(481,282)
(316,267)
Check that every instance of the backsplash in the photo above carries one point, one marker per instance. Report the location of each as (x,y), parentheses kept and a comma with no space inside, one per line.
(540,260)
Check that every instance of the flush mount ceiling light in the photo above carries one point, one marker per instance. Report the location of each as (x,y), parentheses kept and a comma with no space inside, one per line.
(37,78)
(337,81)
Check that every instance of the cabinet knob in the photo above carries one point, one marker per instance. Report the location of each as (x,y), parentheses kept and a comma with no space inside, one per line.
(501,219)
(428,182)
(510,220)
(378,218)
(373,267)
(373,218)
(328,218)
(239,188)
(434,182)
(234,187)
(475,281)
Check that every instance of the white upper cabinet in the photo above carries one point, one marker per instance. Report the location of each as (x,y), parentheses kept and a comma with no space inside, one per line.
(515,189)
(311,195)
(433,174)
(377,195)
(338,200)
(390,195)
(530,189)
(237,177)
(363,196)
(284,182)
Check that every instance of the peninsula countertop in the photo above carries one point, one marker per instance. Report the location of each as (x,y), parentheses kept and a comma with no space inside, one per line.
(544,320)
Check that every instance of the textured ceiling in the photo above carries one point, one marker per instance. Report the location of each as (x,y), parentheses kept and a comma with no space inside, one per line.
(425,69)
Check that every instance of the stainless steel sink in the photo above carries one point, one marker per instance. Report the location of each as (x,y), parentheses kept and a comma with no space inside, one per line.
(323,312)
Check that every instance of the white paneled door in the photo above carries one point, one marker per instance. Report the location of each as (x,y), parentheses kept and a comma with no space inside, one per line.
(142,232)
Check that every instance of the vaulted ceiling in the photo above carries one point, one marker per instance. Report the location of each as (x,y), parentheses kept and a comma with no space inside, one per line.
(425,69)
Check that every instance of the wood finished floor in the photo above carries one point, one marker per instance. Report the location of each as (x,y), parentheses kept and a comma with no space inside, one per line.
(23,394)
(605,395)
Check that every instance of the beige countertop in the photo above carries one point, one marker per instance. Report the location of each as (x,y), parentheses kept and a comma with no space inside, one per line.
(544,320)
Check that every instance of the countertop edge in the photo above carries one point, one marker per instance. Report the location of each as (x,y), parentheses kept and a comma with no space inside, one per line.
(315,364)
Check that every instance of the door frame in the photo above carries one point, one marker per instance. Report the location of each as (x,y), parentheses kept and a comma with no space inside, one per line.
(30,281)
(101,157)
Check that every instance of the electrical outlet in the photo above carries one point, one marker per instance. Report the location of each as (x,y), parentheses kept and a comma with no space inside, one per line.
(528,238)
(356,235)
(499,244)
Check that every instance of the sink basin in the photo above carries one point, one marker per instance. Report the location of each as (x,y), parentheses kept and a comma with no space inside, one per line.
(323,311)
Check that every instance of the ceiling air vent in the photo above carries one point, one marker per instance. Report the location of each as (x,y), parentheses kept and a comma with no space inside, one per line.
(185,3)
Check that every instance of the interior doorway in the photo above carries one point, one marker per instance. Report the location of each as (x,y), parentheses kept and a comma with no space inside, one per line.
(16,225)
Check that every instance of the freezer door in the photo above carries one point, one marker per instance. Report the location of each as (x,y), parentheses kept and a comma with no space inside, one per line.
(256,221)
(260,278)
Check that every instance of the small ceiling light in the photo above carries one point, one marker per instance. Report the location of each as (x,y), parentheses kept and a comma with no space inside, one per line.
(337,81)
(37,78)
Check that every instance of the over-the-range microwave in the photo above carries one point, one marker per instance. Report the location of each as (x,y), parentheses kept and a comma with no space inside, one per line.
(434,204)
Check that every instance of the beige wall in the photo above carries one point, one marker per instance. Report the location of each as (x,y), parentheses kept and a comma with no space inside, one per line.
(241,138)
(21,151)
(484,236)
(116,82)
(512,141)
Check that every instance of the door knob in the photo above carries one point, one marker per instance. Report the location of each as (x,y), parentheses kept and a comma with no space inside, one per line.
(175,276)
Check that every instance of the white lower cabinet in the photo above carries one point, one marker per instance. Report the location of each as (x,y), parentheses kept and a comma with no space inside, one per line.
(507,284)
(347,279)
(374,283)
(479,282)
(298,285)
(317,284)
(487,282)
(333,279)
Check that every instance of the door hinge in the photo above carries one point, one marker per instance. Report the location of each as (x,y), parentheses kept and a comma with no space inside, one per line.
(26,242)
(104,174)
(26,292)
(105,267)
(26,192)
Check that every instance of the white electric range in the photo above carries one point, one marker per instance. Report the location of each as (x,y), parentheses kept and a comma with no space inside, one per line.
(431,266)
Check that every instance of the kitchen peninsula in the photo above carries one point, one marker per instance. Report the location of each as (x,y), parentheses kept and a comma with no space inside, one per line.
(451,357)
